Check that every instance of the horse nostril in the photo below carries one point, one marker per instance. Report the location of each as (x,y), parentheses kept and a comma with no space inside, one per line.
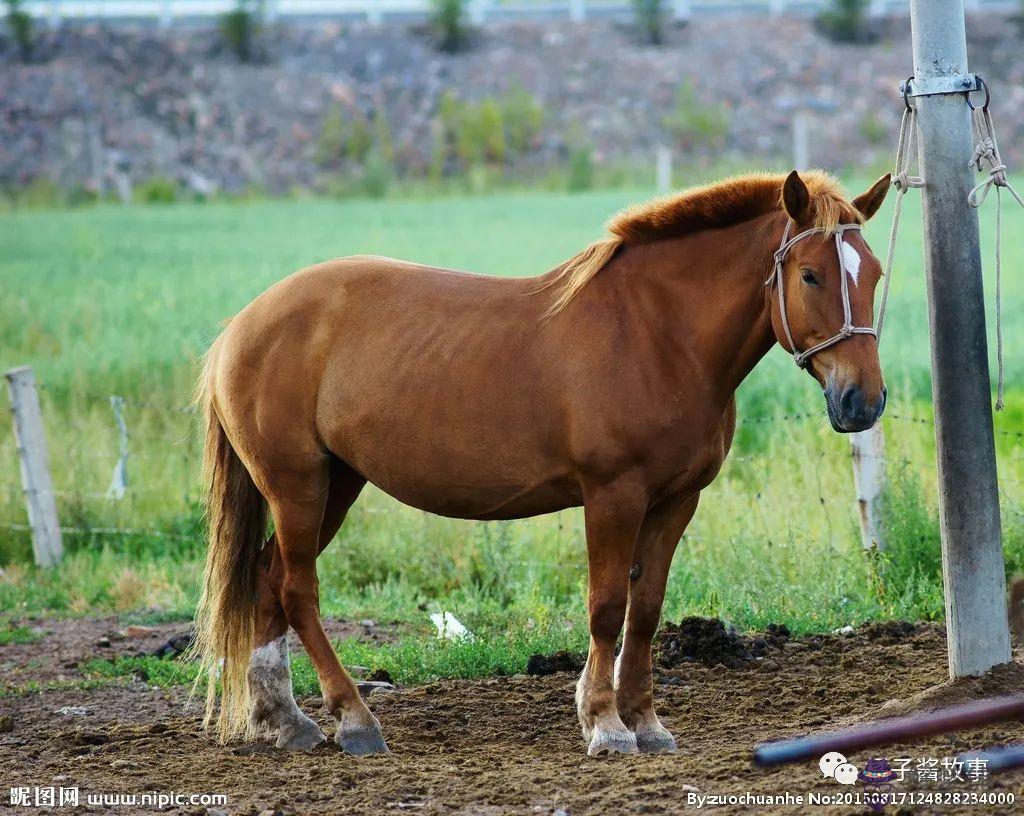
(851,401)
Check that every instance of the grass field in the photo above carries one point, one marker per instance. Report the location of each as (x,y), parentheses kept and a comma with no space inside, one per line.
(121,301)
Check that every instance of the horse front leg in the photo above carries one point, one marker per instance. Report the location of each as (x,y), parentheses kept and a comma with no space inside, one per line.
(634,686)
(613,516)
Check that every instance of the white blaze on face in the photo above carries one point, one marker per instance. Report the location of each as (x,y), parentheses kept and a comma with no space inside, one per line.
(851,260)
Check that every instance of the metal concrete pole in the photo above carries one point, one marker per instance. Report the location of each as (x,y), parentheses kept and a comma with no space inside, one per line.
(972,551)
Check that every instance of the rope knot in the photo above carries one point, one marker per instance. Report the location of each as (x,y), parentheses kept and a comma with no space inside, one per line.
(903,181)
(984,151)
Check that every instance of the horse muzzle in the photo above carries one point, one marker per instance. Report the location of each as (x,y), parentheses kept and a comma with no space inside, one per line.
(851,410)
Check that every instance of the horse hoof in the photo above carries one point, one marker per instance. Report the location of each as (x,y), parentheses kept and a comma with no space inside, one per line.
(612,742)
(656,742)
(302,735)
(362,741)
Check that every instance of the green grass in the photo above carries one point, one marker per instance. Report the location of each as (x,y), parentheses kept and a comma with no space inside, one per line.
(17,634)
(120,301)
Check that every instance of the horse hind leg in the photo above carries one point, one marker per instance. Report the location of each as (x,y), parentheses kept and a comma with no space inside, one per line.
(269,677)
(273,705)
(298,521)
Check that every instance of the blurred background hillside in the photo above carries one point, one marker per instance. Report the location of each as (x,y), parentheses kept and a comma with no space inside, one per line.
(246,103)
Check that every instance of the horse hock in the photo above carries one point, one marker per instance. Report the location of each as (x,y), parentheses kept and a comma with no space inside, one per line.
(270,687)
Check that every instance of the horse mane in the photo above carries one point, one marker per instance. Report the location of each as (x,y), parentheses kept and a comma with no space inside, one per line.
(719,204)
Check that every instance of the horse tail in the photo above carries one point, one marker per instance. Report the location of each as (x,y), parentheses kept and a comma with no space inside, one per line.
(236,515)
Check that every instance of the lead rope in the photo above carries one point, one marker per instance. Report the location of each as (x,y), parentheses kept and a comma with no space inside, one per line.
(987,152)
(902,181)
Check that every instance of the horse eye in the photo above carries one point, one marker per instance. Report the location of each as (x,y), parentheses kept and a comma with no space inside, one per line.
(808,277)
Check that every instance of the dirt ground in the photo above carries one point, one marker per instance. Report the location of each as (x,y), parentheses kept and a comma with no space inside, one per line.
(499,745)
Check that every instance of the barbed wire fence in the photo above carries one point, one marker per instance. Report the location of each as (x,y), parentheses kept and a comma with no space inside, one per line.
(160,467)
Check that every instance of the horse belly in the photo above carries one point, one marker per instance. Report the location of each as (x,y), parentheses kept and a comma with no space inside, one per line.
(458,482)
(482,501)
(461,469)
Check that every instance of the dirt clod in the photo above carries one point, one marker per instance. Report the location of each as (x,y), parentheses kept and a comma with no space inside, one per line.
(176,645)
(541,665)
(889,631)
(380,676)
(711,642)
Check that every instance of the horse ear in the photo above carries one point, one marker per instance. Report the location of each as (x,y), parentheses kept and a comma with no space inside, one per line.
(795,197)
(867,204)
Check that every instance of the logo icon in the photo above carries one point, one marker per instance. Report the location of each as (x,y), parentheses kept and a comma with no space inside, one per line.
(877,778)
(833,765)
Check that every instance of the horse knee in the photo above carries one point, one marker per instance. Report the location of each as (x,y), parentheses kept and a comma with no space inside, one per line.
(606,617)
(644,617)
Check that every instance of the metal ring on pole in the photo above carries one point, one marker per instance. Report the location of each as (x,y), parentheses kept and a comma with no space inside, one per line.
(906,91)
(988,94)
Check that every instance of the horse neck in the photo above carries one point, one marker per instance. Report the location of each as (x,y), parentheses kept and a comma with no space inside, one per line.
(705,297)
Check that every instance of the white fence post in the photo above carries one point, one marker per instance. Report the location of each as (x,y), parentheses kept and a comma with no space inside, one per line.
(662,169)
(478,11)
(119,478)
(801,145)
(35,466)
(868,450)
(375,12)
(577,10)
(682,10)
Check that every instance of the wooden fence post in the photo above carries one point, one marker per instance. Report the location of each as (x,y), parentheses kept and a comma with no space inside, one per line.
(868,449)
(35,466)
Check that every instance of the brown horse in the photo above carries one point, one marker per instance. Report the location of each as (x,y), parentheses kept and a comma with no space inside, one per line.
(608,382)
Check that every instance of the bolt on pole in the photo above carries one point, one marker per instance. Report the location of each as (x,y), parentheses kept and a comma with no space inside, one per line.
(972,550)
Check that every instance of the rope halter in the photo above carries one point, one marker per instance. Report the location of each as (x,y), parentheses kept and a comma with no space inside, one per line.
(778,278)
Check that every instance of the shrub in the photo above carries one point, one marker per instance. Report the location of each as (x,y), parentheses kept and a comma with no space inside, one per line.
(40,193)
(524,119)
(581,169)
(491,127)
(650,18)
(448,21)
(343,139)
(19,22)
(846,22)
(240,26)
(381,136)
(377,175)
(873,130)
(157,190)
(694,123)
